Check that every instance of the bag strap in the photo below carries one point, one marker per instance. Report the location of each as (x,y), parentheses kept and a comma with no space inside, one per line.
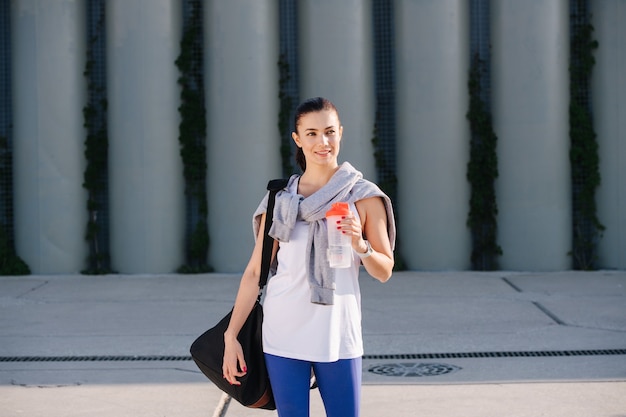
(274,186)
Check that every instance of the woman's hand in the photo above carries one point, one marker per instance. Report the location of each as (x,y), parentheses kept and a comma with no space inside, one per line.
(350,225)
(234,363)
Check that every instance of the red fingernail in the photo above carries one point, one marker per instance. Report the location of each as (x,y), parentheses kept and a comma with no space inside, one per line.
(338,221)
(245,369)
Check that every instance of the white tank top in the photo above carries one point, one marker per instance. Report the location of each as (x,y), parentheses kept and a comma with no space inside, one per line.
(295,328)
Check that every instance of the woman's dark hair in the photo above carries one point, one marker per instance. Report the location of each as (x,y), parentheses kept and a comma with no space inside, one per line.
(309,106)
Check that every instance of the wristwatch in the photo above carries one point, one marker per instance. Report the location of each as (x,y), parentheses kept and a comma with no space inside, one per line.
(367,253)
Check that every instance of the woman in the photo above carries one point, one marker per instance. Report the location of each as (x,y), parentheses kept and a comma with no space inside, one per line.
(313,312)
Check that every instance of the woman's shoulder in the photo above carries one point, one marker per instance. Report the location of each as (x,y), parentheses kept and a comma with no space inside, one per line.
(364,188)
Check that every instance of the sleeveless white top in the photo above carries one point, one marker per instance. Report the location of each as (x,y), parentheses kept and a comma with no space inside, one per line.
(295,328)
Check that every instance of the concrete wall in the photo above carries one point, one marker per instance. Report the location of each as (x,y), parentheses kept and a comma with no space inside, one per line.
(609,109)
(145,168)
(242,115)
(48,97)
(433,134)
(530,46)
(336,62)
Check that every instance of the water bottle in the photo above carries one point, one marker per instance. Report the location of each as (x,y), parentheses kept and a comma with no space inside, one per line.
(339,244)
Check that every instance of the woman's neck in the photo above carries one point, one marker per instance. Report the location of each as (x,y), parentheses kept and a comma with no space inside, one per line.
(315,178)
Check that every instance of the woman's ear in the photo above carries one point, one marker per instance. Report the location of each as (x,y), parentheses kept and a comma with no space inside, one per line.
(296,139)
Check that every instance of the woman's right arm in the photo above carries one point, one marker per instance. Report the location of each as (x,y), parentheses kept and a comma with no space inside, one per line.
(234,363)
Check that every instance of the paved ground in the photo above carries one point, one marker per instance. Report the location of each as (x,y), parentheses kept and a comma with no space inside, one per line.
(437,344)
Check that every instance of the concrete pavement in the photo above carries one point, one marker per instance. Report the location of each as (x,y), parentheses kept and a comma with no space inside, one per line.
(437,344)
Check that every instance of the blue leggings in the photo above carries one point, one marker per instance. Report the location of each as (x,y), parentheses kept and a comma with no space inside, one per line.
(339,384)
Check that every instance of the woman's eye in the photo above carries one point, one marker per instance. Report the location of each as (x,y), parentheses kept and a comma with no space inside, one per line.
(330,132)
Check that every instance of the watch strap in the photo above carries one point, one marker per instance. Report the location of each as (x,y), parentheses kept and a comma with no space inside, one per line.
(367,253)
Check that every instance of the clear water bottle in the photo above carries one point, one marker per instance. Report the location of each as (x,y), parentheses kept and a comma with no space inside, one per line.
(339,244)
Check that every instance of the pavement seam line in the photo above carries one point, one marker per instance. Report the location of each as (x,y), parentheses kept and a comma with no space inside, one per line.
(548,313)
(33,289)
(515,287)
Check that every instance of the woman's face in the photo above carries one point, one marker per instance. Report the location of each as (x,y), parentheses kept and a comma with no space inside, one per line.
(319,134)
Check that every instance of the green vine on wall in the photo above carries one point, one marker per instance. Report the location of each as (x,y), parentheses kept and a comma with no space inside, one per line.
(10,263)
(284,117)
(192,137)
(388,183)
(96,155)
(585,162)
(482,171)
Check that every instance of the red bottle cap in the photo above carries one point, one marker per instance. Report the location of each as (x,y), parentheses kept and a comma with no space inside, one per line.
(338,209)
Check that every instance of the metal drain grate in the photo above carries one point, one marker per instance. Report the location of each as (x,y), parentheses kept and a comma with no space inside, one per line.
(514,354)
(413,369)
(94,358)
(458,355)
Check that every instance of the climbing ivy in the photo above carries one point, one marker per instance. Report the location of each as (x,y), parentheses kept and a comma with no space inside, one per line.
(10,263)
(96,152)
(585,162)
(388,181)
(482,171)
(284,117)
(192,137)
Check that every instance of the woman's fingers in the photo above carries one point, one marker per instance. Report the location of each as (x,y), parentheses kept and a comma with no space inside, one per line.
(231,374)
(350,226)
(234,364)
(242,365)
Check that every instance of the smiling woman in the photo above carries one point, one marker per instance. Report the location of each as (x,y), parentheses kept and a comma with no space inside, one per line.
(322,118)
(312,312)
(322,137)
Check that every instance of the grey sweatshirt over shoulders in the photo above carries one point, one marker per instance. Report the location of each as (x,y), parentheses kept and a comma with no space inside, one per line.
(346,185)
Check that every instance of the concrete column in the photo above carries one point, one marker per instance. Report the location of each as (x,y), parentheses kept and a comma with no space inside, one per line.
(530,41)
(48,99)
(145,167)
(433,134)
(609,102)
(337,62)
(243,142)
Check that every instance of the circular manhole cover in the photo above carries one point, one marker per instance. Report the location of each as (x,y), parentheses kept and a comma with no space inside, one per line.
(413,369)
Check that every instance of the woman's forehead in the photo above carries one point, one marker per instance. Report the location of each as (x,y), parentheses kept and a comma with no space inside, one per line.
(319,119)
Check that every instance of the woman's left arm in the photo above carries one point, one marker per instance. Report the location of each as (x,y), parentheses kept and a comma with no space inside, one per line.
(373,228)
